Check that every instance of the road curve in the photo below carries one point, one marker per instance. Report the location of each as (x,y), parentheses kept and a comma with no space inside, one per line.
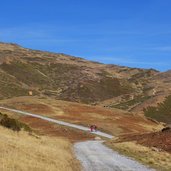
(83,128)
(95,156)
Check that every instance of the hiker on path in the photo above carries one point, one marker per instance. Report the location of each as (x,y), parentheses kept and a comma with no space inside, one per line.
(93,128)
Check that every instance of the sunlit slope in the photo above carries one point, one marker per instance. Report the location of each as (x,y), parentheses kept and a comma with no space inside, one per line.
(69,78)
(115,121)
(24,152)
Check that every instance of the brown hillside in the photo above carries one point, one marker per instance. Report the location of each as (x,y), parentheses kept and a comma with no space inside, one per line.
(116,122)
(69,78)
(160,140)
(65,77)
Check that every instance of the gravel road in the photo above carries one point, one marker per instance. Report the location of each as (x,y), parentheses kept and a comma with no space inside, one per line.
(95,156)
(83,128)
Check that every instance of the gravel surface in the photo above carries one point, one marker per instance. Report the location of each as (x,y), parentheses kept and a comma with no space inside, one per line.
(95,156)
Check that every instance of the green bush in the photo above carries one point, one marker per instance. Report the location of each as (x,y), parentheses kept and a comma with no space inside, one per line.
(13,124)
(162,112)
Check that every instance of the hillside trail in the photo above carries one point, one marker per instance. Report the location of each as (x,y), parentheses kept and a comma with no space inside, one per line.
(83,128)
(93,155)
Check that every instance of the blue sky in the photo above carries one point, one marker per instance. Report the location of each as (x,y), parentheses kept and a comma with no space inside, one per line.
(134,33)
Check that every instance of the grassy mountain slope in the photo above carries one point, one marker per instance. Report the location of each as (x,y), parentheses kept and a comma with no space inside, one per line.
(68,78)
(74,79)
(162,112)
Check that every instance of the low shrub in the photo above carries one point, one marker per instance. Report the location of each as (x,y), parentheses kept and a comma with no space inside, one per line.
(13,124)
(162,112)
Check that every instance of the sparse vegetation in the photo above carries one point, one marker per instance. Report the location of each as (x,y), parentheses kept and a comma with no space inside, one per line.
(10,87)
(24,152)
(127,104)
(25,73)
(143,74)
(13,124)
(62,76)
(162,112)
(156,159)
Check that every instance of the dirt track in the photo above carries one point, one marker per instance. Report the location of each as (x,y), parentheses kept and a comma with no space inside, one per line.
(95,156)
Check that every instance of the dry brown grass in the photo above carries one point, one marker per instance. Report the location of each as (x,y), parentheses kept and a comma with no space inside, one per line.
(23,152)
(114,121)
(157,159)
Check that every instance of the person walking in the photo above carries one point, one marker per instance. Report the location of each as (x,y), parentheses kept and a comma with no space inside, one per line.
(91,128)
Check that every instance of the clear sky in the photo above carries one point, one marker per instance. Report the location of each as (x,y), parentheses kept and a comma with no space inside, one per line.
(134,33)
